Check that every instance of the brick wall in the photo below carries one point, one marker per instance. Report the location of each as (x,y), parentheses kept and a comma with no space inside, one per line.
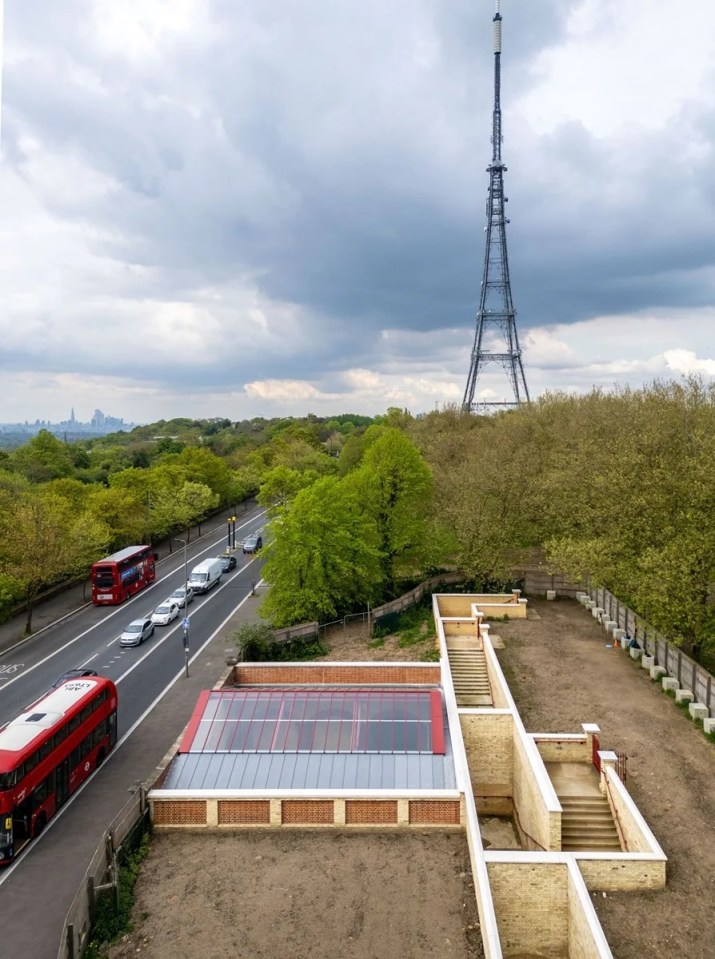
(435,812)
(366,812)
(488,742)
(327,674)
(564,750)
(626,818)
(531,903)
(213,813)
(622,875)
(307,812)
(540,828)
(581,939)
(244,812)
(179,812)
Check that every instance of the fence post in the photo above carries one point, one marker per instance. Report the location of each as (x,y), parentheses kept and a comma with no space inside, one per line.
(680,665)
(709,691)
(70,941)
(695,681)
(667,647)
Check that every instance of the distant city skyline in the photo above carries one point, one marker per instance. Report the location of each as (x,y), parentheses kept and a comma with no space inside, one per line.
(238,209)
(99,425)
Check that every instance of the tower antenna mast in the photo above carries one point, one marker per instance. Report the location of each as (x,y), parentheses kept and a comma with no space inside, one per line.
(496,318)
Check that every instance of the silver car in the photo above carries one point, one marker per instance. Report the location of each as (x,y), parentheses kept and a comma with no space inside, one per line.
(182,596)
(136,632)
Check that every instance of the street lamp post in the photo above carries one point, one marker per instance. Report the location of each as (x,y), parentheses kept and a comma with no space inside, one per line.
(185,622)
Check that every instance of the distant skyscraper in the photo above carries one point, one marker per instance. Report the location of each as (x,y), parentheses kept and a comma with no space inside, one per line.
(496,319)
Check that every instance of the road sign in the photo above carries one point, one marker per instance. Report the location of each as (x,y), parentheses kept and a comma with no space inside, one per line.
(185,622)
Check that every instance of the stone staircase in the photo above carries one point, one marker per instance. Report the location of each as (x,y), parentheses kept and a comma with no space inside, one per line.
(469,675)
(587,825)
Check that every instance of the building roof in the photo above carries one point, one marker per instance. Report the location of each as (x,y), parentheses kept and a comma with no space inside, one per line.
(315,738)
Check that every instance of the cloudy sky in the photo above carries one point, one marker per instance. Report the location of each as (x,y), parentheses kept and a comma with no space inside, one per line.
(268,207)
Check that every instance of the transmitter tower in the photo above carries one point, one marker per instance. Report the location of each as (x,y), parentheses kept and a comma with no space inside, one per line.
(496,319)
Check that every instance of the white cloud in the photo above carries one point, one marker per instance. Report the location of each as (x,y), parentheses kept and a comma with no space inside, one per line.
(218,208)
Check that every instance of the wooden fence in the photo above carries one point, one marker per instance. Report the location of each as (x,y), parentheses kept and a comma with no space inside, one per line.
(101,874)
(690,675)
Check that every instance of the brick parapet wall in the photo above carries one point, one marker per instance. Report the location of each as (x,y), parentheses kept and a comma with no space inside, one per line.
(331,674)
(563,749)
(210,813)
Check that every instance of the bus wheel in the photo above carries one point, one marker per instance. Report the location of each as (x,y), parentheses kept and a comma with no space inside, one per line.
(100,758)
(39,824)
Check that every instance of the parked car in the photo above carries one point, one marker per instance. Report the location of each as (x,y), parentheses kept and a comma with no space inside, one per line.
(165,612)
(253,543)
(228,563)
(71,674)
(180,599)
(136,632)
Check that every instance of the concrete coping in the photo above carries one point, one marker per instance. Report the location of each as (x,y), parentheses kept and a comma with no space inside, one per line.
(254,794)
(607,757)
(590,728)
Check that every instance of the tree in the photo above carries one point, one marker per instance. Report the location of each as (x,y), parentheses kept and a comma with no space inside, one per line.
(43,458)
(43,540)
(394,486)
(323,559)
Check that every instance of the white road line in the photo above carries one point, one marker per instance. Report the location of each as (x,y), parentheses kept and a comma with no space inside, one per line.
(119,609)
(8,870)
(89,660)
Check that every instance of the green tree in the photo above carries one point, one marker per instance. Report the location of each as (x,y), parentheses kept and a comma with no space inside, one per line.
(323,559)
(43,458)
(394,485)
(43,540)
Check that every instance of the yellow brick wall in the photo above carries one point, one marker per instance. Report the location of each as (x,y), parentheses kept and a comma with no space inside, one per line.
(564,750)
(542,830)
(455,604)
(531,904)
(622,875)
(488,740)
(627,824)
(580,937)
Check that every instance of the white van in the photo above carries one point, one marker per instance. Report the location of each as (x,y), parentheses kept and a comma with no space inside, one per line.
(205,575)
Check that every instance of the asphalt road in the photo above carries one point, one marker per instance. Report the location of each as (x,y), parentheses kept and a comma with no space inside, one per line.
(155,702)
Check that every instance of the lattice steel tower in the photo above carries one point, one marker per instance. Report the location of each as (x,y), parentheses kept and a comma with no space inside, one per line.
(496,309)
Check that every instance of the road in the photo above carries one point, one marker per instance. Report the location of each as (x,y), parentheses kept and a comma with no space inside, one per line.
(155,701)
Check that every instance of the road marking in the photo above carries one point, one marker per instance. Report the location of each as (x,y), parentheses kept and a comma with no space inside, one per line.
(8,870)
(119,609)
(89,660)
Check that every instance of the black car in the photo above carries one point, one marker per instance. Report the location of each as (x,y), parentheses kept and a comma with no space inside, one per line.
(73,674)
(227,563)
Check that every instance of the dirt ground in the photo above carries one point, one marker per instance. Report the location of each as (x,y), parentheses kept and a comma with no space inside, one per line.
(368,896)
(294,895)
(562,674)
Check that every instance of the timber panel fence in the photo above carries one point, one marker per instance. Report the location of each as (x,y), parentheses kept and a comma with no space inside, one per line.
(101,873)
(690,675)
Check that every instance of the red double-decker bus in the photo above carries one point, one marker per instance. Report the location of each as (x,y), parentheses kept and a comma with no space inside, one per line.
(117,577)
(48,751)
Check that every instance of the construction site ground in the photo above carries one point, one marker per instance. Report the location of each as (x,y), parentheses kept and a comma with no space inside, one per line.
(359,895)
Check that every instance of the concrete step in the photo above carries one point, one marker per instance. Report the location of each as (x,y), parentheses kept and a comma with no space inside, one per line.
(586,845)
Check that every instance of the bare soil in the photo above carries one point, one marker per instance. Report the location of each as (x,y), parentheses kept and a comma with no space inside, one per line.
(368,895)
(293,895)
(561,674)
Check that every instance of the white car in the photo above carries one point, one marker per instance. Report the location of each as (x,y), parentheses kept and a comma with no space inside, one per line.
(178,596)
(136,632)
(165,613)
